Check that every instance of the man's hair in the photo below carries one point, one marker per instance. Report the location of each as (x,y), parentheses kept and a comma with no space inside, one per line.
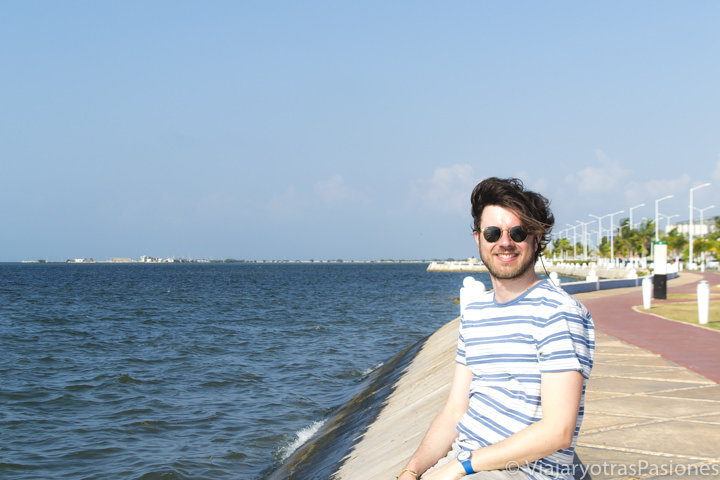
(532,208)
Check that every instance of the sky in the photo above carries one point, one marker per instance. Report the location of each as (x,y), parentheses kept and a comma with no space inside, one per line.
(299,130)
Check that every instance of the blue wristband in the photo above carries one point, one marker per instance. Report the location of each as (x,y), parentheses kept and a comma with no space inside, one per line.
(465,457)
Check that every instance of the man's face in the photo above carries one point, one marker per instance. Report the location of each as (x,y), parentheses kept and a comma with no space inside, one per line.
(505,259)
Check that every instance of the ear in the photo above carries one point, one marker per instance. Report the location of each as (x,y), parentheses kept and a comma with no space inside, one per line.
(476,234)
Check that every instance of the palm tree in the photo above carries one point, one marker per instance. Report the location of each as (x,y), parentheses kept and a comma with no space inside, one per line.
(676,242)
(645,235)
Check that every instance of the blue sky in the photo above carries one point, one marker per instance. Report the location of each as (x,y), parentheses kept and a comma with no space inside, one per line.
(355,130)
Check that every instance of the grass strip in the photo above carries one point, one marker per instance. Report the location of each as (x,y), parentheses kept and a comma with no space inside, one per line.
(685,312)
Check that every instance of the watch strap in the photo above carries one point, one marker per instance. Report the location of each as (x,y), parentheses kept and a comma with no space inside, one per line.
(467,465)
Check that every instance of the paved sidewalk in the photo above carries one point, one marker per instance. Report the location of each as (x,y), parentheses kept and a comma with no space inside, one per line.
(651,412)
(691,346)
(646,417)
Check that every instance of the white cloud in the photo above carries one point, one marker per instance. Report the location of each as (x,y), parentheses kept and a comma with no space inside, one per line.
(659,188)
(539,185)
(603,178)
(219,206)
(716,173)
(334,191)
(289,202)
(447,190)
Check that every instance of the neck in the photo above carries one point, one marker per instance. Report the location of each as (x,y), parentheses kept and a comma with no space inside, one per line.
(509,289)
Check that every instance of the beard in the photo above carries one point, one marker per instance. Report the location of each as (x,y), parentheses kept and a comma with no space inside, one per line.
(506,273)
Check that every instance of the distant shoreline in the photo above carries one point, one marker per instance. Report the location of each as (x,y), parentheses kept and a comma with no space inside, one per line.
(171,261)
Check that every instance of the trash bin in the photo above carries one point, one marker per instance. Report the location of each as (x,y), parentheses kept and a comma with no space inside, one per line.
(660,287)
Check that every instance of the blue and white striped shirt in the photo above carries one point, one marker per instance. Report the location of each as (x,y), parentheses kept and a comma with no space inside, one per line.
(508,346)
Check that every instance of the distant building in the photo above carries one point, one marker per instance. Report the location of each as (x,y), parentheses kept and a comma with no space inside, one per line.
(699,229)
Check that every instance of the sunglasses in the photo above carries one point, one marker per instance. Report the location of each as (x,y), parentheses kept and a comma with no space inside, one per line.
(493,234)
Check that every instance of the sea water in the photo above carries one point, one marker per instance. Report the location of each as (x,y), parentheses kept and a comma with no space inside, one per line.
(189,371)
(193,370)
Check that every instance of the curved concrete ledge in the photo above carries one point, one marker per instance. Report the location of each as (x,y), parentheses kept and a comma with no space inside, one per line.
(380,428)
(643,412)
(607,284)
(387,445)
(327,450)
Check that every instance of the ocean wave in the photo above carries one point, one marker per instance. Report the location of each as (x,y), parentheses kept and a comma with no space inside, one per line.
(301,437)
(370,370)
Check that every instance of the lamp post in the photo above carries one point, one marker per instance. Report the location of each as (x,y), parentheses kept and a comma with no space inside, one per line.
(596,246)
(574,240)
(560,235)
(631,219)
(612,236)
(702,230)
(657,229)
(599,241)
(702,221)
(584,225)
(690,224)
(667,224)
(558,240)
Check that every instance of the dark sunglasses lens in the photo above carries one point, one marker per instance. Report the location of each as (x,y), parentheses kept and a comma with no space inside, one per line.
(518,234)
(492,234)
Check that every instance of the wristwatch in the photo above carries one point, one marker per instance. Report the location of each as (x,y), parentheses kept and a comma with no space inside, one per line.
(464,458)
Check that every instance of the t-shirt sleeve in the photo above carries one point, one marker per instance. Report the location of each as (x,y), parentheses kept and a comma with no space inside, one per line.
(460,355)
(565,341)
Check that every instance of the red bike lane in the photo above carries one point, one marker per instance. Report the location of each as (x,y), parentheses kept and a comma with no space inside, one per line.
(693,347)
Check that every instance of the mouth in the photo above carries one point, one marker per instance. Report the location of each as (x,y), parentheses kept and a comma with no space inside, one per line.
(506,256)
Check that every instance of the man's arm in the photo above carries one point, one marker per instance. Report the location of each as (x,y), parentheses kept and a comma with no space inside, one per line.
(441,434)
(560,395)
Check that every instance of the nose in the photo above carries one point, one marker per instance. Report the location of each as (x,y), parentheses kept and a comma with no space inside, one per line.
(505,239)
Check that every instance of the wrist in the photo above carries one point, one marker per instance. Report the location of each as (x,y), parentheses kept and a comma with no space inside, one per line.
(407,474)
(465,459)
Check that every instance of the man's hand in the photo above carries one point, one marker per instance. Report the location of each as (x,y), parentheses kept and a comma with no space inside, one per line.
(450,471)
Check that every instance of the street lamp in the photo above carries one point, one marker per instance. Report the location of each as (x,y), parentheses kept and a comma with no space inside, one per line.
(596,246)
(574,240)
(599,241)
(667,224)
(584,225)
(557,243)
(667,221)
(559,237)
(612,236)
(566,232)
(702,229)
(690,224)
(631,209)
(702,222)
(657,230)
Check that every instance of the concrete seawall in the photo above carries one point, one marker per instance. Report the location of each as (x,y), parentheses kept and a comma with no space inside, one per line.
(642,411)
(373,435)
(385,447)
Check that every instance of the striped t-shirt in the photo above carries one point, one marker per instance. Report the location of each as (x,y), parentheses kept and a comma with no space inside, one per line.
(507,346)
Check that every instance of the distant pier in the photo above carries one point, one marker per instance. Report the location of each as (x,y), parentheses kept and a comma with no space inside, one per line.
(586,270)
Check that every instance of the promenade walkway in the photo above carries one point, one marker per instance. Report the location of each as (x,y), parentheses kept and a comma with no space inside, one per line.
(652,403)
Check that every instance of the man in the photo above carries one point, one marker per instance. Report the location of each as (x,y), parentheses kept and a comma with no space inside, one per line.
(524,352)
